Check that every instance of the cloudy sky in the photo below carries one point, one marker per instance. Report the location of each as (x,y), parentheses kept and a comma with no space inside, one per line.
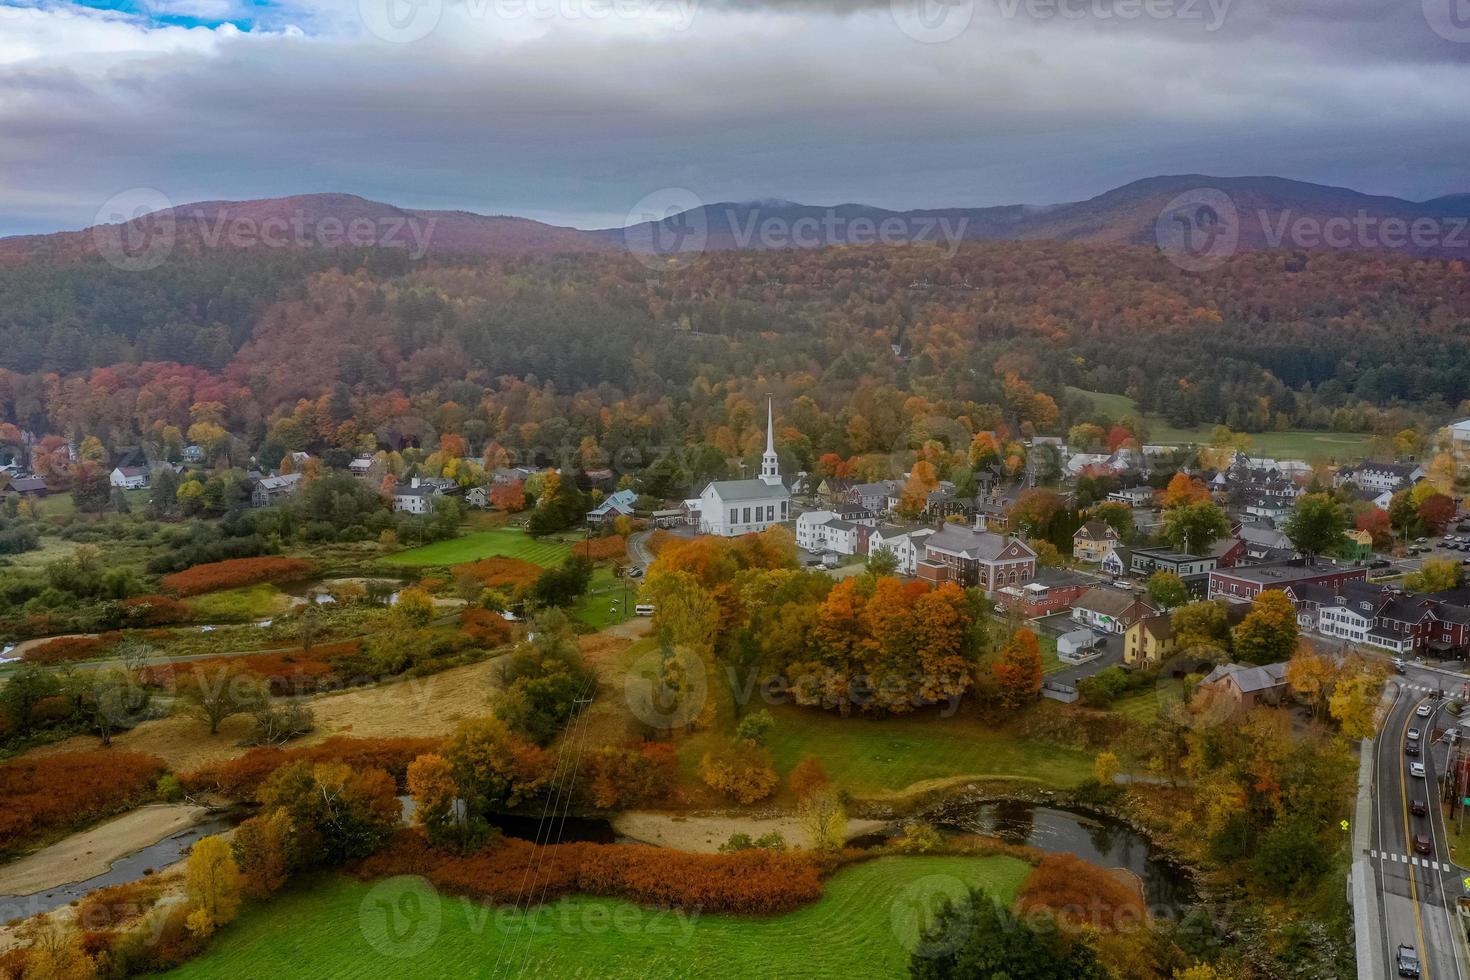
(572,111)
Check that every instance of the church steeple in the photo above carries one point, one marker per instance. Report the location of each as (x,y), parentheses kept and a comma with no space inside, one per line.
(770,463)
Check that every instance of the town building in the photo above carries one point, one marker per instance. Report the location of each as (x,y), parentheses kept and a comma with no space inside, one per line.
(270,490)
(906,543)
(1110,609)
(1149,641)
(1052,591)
(729,508)
(1133,496)
(823,530)
(1248,686)
(1093,541)
(1380,477)
(129,478)
(614,505)
(1244,582)
(980,559)
(415,497)
(1193,570)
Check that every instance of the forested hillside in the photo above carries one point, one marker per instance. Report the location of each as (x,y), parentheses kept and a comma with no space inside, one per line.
(320,349)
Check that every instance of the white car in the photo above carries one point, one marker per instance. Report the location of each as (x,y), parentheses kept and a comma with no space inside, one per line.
(1413,734)
(1416,769)
(1424,711)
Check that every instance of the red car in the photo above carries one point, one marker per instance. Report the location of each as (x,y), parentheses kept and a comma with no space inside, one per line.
(1422,844)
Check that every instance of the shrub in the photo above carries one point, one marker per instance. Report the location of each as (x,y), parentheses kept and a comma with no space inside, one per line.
(68,649)
(489,628)
(242,777)
(758,881)
(59,792)
(109,907)
(155,610)
(1082,894)
(601,549)
(234,573)
(806,777)
(741,770)
(631,776)
(499,571)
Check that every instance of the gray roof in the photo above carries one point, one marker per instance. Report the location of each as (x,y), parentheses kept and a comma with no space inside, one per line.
(747,490)
(1250,679)
(839,525)
(27,484)
(978,545)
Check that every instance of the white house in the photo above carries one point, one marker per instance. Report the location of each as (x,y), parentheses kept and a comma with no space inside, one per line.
(1381,477)
(129,478)
(730,508)
(822,530)
(1133,496)
(415,497)
(906,543)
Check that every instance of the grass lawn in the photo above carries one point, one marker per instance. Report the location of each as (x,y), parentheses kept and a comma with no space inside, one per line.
(56,505)
(248,602)
(869,756)
(1050,663)
(1310,446)
(502,542)
(1145,706)
(607,608)
(343,928)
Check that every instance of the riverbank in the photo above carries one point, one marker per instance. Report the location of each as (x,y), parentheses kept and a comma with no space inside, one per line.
(705,834)
(91,853)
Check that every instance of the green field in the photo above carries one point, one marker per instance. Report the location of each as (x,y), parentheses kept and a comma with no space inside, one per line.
(342,928)
(233,605)
(1339,446)
(502,542)
(1145,707)
(867,755)
(603,609)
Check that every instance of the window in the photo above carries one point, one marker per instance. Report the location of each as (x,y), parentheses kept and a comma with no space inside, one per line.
(734,516)
(746,512)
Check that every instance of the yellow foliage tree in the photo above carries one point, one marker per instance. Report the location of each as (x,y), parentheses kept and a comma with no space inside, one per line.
(212,881)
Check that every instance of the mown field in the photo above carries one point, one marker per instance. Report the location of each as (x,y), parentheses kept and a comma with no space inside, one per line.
(343,928)
(504,542)
(1300,444)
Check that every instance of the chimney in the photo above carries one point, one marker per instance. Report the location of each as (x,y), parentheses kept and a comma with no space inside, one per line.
(414,483)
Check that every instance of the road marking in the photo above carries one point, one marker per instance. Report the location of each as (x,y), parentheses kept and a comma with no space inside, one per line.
(1413,879)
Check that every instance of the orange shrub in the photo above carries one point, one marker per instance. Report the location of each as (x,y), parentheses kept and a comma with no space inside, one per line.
(70,789)
(756,881)
(241,777)
(234,573)
(601,549)
(498,571)
(290,673)
(116,904)
(632,776)
(490,628)
(659,540)
(155,610)
(66,649)
(1080,893)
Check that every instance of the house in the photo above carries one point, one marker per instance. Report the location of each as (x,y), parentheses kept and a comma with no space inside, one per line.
(478,497)
(613,506)
(1149,641)
(729,508)
(193,454)
(1266,507)
(1249,686)
(33,487)
(1380,477)
(1117,562)
(1093,541)
(1077,645)
(873,496)
(270,490)
(976,558)
(1193,570)
(833,489)
(823,530)
(1053,590)
(1385,618)
(1356,546)
(1133,496)
(415,497)
(855,514)
(1227,552)
(1459,436)
(1244,582)
(129,478)
(1110,609)
(361,467)
(906,543)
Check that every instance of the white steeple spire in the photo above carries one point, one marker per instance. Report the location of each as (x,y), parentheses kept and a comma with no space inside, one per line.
(770,463)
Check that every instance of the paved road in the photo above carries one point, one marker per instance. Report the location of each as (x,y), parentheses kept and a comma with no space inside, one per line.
(1418,891)
(638,549)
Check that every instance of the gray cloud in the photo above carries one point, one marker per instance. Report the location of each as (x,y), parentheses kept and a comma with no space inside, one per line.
(573,119)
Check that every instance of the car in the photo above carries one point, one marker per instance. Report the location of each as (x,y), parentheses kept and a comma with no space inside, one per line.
(1400,665)
(1420,540)
(1418,808)
(1416,769)
(1412,734)
(1411,748)
(1422,844)
(1424,711)
(1407,961)
(1379,563)
(636,573)
(1452,735)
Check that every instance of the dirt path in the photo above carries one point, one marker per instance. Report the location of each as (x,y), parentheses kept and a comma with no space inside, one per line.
(706,834)
(92,852)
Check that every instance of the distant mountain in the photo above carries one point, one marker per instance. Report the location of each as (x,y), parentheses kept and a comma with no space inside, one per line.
(1269,212)
(310,221)
(1266,212)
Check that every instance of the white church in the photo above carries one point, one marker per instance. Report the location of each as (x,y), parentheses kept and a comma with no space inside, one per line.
(730,508)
